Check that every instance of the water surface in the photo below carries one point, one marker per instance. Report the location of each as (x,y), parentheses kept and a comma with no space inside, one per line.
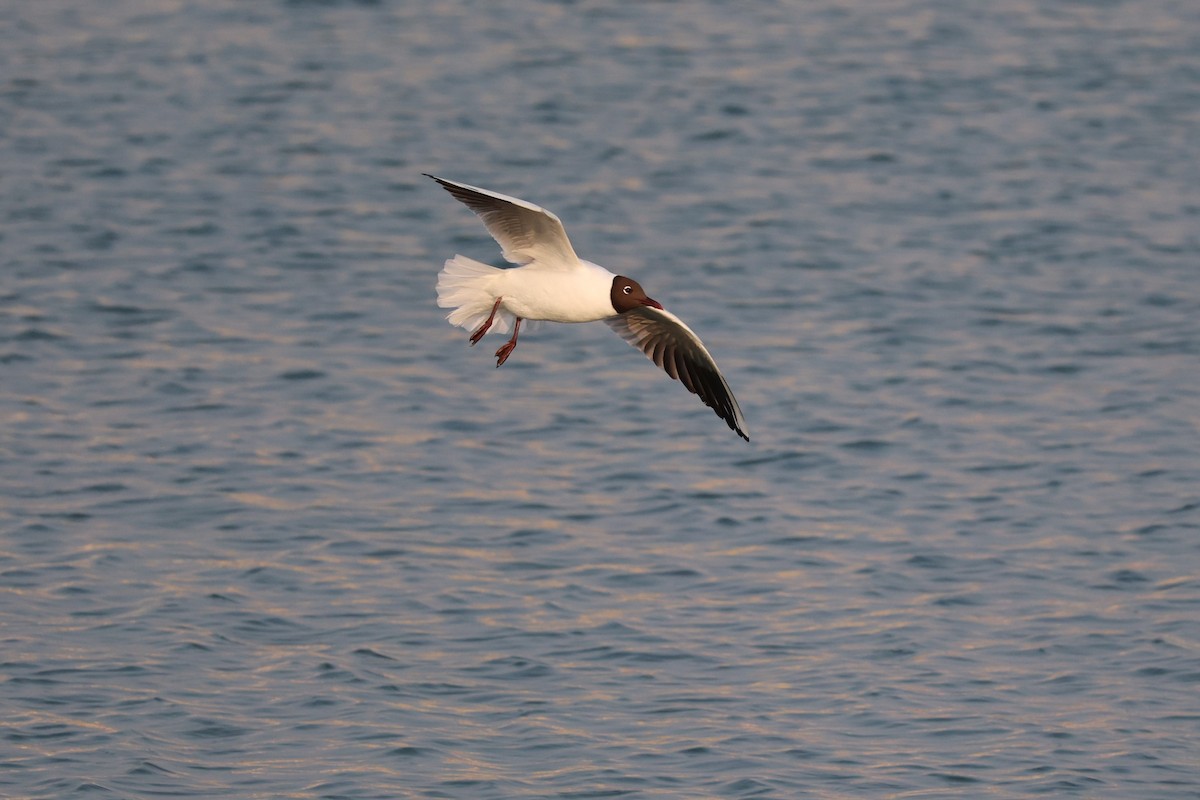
(271,529)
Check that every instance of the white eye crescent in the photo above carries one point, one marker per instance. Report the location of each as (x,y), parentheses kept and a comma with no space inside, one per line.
(628,290)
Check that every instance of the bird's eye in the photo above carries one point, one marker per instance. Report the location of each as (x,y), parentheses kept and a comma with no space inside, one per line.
(628,289)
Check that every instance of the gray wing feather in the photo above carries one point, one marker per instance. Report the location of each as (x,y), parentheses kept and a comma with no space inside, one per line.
(526,233)
(670,344)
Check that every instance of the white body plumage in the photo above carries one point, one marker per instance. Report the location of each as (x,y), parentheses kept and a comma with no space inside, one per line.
(579,294)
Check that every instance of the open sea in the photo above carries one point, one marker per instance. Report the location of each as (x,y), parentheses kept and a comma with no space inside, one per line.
(269,528)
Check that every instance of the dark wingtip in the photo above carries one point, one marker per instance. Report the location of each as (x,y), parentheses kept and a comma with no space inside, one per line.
(445,184)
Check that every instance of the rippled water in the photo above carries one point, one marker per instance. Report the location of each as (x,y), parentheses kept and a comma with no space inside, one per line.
(271,529)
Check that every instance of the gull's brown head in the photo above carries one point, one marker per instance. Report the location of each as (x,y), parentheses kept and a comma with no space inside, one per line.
(627,295)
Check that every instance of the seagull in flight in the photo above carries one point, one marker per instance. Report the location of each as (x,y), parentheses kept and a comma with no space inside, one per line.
(552,283)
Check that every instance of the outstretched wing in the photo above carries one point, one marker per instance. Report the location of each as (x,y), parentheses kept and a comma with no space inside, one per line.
(527,234)
(670,344)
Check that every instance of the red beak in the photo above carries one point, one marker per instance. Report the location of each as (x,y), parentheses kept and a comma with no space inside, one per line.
(652,304)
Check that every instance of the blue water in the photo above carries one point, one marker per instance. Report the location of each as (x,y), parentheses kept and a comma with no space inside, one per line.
(270,528)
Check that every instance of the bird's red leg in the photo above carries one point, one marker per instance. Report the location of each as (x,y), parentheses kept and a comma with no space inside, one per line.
(506,349)
(477,335)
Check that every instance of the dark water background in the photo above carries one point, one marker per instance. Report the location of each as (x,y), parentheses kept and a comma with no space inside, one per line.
(271,529)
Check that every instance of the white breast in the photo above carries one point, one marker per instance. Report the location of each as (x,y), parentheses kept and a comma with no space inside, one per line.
(575,295)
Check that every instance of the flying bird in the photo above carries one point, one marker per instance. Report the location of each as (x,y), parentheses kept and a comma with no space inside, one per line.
(552,283)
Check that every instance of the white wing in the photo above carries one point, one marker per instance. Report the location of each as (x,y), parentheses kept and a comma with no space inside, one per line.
(666,341)
(527,234)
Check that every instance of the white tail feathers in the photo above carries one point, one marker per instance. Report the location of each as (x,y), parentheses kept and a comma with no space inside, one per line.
(465,285)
